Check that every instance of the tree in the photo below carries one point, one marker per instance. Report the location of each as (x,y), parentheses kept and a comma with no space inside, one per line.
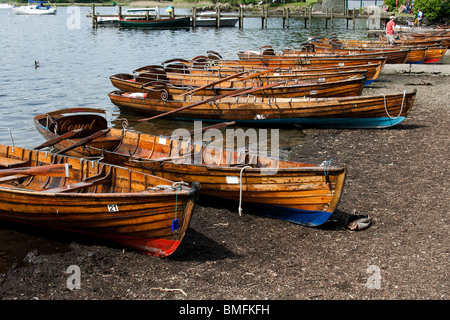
(430,8)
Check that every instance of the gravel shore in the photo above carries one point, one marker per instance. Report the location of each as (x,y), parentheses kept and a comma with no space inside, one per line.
(397,176)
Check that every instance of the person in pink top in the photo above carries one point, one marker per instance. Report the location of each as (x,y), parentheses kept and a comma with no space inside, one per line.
(390,30)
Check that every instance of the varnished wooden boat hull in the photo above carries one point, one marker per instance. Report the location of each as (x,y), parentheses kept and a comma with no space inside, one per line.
(304,63)
(435,51)
(346,112)
(416,54)
(301,193)
(434,54)
(392,57)
(207,77)
(124,211)
(373,70)
(322,88)
(363,43)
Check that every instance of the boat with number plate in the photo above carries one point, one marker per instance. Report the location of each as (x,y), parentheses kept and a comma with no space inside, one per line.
(135,209)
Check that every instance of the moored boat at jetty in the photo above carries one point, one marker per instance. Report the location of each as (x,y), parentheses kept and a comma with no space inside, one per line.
(301,193)
(135,209)
(208,19)
(152,19)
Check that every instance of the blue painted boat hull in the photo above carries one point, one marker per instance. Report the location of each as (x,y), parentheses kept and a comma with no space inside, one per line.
(351,123)
(307,218)
(303,217)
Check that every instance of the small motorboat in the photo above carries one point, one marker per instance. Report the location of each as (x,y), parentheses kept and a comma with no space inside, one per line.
(35,8)
(208,19)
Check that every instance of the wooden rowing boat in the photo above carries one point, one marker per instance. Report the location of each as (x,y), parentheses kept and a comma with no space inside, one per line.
(135,209)
(292,62)
(302,193)
(416,54)
(183,69)
(201,64)
(348,112)
(321,87)
(444,38)
(392,56)
(434,51)
(363,43)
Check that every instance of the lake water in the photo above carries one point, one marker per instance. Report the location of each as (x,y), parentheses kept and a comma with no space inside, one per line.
(75,62)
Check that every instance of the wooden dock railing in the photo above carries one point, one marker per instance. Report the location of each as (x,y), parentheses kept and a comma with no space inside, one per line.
(264,14)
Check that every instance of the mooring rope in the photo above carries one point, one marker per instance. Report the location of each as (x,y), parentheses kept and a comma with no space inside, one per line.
(240,189)
(401,108)
(174,187)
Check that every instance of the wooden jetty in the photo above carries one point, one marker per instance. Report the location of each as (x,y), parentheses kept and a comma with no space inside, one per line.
(264,14)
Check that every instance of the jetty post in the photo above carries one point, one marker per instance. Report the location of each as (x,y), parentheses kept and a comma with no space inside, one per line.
(218,17)
(93,16)
(241,18)
(194,17)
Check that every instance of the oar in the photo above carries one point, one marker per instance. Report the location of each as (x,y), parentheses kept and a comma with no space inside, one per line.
(85,140)
(215,82)
(66,135)
(233,93)
(51,170)
(195,104)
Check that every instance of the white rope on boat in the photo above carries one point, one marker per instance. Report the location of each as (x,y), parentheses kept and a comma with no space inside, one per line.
(175,186)
(240,189)
(401,108)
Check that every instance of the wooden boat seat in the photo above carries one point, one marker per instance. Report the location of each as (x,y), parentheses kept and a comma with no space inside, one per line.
(11,163)
(107,143)
(91,182)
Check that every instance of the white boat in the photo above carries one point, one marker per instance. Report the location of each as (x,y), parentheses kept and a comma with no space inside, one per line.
(35,8)
(208,19)
(5,5)
(114,21)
